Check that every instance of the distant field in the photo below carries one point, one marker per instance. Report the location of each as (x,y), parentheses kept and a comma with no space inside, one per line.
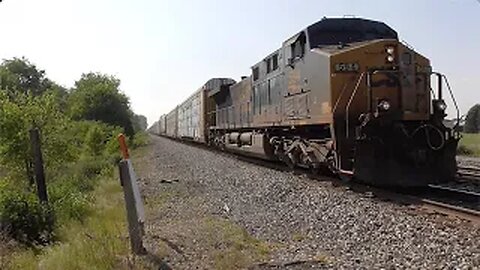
(469,145)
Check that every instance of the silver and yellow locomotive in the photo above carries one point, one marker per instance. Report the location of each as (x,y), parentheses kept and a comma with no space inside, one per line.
(343,94)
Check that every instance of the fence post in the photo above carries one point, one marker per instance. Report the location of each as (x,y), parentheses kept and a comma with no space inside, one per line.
(38,165)
(133,201)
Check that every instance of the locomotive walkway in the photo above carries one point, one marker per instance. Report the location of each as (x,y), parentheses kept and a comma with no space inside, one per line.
(207,210)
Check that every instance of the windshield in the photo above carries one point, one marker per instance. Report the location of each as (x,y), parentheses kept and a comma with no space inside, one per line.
(342,31)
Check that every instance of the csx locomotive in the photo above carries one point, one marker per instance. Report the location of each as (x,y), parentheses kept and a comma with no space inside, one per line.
(343,94)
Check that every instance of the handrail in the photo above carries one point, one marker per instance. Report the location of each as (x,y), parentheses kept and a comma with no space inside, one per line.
(334,110)
(454,101)
(441,76)
(347,109)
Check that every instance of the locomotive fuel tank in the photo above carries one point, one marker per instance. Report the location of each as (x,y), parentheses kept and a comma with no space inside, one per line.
(249,144)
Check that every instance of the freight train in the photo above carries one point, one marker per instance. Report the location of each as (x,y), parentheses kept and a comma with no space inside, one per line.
(344,94)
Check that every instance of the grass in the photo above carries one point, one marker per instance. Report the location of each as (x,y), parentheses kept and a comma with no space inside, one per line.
(239,249)
(98,242)
(469,145)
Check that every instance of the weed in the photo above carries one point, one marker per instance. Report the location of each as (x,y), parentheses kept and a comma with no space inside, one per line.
(469,145)
(239,248)
(97,243)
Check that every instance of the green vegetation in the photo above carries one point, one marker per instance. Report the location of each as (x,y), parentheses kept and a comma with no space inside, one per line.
(97,97)
(139,123)
(83,223)
(469,145)
(98,242)
(240,249)
(472,121)
(18,75)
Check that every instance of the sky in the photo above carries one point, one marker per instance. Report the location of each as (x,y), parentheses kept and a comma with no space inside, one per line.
(164,50)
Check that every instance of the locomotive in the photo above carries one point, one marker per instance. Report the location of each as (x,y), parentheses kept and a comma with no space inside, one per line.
(344,94)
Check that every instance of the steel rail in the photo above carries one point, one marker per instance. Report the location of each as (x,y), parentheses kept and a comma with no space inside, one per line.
(427,203)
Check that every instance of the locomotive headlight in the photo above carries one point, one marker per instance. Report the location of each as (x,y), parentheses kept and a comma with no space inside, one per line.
(384,105)
(390,58)
(390,50)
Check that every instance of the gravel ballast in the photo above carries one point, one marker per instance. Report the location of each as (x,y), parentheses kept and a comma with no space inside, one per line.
(292,221)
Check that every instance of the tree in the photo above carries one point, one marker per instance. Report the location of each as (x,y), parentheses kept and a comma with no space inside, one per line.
(18,75)
(19,114)
(472,122)
(97,97)
(139,122)
(60,94)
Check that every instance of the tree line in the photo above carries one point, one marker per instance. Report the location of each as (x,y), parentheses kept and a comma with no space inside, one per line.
(78,128)
(95,96)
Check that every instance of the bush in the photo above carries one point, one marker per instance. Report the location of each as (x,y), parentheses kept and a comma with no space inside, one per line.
(22,112)
(78,130)
(139,139)
(472,121)
(464,150)
(469,145)
(69,192)
(25,219)
(94,140)
(33,223)
(68,201)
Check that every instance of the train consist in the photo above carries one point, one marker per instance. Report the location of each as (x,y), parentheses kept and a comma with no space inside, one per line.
(343,94)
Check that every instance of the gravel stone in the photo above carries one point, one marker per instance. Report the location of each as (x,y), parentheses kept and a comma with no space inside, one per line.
(468,161)
(305,218)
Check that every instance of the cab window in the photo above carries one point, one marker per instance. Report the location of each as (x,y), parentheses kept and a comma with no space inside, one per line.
(298,47)
(256,73)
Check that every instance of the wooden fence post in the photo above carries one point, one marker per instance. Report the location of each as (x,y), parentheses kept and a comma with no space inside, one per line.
(38,165)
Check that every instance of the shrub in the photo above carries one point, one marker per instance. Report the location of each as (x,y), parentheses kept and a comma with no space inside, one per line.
(25,219)
(90,168)
(68,201)
(472,121)
(139,139)
(19,114)
(95,140)
(464,150)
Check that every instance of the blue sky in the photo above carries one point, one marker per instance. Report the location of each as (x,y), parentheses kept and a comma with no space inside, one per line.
(164,50)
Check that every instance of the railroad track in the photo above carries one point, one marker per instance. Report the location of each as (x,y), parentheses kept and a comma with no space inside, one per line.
(469,172)
(454,200)
(460,199)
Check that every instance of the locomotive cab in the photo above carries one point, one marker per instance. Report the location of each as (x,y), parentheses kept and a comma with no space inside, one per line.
(374,93)
(387,120)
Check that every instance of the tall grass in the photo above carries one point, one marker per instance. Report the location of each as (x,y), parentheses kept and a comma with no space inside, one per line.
(469,145)
(98,242)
